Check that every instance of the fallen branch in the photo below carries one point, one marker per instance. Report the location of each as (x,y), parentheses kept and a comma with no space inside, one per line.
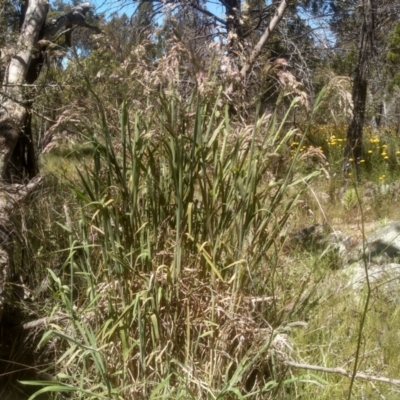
(341,371)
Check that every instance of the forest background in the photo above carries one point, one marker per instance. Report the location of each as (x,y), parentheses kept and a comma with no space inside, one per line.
(158,159)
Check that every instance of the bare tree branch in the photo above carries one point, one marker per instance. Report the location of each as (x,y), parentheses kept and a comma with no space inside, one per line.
(75,17)
(341,371)
(209,13)
(265,36)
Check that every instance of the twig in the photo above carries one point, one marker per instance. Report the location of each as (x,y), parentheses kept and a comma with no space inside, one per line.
(341,371)
(43,321)
(368,298)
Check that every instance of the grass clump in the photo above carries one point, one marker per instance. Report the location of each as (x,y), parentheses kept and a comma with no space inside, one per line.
(178,273)
(172,287)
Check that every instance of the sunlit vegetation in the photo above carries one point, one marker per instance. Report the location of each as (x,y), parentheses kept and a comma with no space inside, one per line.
(160,258)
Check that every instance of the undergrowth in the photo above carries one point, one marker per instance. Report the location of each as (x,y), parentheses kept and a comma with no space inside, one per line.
(175,278)
(172,287)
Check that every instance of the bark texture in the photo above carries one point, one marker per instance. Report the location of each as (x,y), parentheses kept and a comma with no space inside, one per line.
(13,111)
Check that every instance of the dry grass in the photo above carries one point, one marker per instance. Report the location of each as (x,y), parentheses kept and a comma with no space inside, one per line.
(175,277)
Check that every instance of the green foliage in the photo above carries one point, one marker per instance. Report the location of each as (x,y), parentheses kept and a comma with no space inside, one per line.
(393,56)
(179,233)
(167,259)
(179,219)
(381,150)
(9,21)
(344,63)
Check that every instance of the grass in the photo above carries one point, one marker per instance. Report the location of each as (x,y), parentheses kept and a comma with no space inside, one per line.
(175,242)
(381,159)
(175,277)
(331,337)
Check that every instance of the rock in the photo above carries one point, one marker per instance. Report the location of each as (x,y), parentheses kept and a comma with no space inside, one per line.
(382,259)
(340,243)
(381,246)
(383,279)
(320,238)
(388,274)
(309,236)
(371,191)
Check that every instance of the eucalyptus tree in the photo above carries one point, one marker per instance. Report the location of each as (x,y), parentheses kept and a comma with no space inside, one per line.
(360,29)
(237,23)
(23,60)
(353,148)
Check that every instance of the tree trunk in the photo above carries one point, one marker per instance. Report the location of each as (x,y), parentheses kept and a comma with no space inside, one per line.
(353,150)
(13,111)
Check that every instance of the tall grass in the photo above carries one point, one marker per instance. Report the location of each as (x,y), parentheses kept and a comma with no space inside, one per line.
(172,284)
